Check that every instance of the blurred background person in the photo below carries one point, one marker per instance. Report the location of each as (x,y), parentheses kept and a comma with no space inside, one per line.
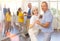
(29,10)
(4,10)
(28,16)
(7,21)
(20,19)
(25,22)
(29,13)
(25,17)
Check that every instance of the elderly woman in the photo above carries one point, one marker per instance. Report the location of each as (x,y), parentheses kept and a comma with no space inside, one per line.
(33,30)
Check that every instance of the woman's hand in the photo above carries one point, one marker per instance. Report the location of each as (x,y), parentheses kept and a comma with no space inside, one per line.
(46,25)
(21,17)
(38,22)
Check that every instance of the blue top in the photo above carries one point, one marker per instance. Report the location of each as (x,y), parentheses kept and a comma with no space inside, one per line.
(47,17)
(29,13)
(4,10)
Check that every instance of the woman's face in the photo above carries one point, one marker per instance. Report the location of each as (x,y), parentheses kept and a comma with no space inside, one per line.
(35,11)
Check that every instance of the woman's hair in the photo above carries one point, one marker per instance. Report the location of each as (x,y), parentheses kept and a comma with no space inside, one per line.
(17,13)
(8,10)
(19,9)
(25,12)
(33,8)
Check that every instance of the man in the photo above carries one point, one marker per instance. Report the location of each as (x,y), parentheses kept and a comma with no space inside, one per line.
(29,11)
(4,9)
(46,22)
(28,16)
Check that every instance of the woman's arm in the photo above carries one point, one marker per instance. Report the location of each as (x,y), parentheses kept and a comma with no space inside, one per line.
(32,22)
(31,25)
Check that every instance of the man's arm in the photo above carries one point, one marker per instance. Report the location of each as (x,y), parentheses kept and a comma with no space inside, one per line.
(46,25)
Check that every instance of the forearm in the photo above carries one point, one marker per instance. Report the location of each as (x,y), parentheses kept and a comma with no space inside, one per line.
(44,25)
(31,25)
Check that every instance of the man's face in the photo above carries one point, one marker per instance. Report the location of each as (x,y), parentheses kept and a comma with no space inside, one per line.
(29,5)
(44,7)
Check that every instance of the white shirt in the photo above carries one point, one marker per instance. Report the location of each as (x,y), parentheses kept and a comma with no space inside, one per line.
(35,27)
(33,19)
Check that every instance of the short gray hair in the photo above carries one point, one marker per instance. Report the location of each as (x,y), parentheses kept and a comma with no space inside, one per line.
(33,8)
(45,3)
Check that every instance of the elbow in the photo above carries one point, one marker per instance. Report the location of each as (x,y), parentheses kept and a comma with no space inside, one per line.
(46,26)
(30,26)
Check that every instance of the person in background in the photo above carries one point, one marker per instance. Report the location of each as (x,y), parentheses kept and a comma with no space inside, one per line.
(20,19)
(46,22)
(25,17)
(7,21)
(29,10)
(25,22)
(29,13)
(28,16)
(4,10)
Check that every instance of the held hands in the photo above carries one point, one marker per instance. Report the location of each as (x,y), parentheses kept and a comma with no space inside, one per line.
(37,22)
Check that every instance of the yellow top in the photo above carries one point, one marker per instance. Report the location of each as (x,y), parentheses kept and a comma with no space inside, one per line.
(20,17)
(8,17)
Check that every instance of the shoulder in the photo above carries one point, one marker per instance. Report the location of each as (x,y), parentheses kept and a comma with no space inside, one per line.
(48,13)
(32,18)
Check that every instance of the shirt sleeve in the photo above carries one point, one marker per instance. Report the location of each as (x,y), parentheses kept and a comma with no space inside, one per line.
(49,18)
(32,20)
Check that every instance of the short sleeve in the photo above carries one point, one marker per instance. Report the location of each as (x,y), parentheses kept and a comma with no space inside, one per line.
(32,20)
(49,18)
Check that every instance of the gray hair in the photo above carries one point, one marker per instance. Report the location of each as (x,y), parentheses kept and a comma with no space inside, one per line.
(45,3)
(33,8)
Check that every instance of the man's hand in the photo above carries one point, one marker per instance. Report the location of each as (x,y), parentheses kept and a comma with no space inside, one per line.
(46,25)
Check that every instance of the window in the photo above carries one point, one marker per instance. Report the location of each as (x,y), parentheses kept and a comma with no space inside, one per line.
(44,0)
(12,4)
(58,8)
(53,8)
(53,0)
(58,18)
(26,5)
